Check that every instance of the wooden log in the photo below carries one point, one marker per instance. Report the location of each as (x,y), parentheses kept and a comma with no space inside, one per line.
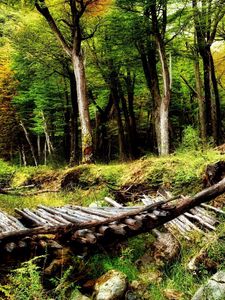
(112,202)
(178,228)
(27,216)
(206,213)
(160,213)
(44,215)
(193,226)
(10,247)
(55,214)
(202,212)
(119,229)
(104,229)
(84,236)
(133,224)
(217,210)
(182,206)
(202,222)
(85,215)
(202,216)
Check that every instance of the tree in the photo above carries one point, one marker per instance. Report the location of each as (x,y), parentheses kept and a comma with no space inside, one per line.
(72,47)
(9,132)
(207,15)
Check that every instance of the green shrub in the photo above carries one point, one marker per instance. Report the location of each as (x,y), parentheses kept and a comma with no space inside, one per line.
(191,139)
(25,283)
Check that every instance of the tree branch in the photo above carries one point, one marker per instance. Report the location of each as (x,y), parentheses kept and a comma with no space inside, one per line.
(44,11)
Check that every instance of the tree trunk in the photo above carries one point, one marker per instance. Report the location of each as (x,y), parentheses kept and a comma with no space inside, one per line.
(208,108)
(149,64)
(47,137)
(74,135)
(79,71)
(101,135)
(39,147)
(121,136)
(29,143)
(67,115)
(164,105)
(130,151)
(201,100)
(216,118)
(130,96)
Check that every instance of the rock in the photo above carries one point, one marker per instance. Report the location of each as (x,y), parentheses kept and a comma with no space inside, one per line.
(111,286)
(214,289)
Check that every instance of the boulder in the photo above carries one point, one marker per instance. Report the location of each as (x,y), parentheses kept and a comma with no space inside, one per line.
(111,286)
(214,289)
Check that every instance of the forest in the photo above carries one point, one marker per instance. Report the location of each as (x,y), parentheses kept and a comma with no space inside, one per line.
(112,149)
(103,80)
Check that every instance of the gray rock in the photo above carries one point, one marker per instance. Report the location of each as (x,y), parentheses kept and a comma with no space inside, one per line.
(111,286)
(214,289)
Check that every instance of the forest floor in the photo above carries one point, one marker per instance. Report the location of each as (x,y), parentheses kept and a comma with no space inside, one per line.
(181,173)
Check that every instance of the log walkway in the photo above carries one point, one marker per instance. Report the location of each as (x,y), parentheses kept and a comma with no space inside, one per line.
(85,226)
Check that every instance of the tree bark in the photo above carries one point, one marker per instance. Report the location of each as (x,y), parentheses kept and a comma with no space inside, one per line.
(29,143)
(74,135)
(158,33)
(201,100)
(149,63)
(79,71)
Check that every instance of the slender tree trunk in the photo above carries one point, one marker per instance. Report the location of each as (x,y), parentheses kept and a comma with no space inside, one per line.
(39,147)
(29,143)
(87,143)
(101,135)
(149,64)
(45,153)
(74,150)
(201,100)
(121,136)
(216,115)
(164,105)
(130,151)
(23,156)
(207,90)
(130,96)
(67,116)
(47,137)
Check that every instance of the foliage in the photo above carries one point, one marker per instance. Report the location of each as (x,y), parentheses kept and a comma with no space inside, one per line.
(25,283)
(190,140)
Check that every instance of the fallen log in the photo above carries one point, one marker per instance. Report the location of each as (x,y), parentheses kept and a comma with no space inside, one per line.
(181,207)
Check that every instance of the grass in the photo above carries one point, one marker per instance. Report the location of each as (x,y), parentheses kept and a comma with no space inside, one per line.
(181,172)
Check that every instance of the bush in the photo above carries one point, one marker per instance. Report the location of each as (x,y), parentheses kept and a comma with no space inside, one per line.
(191,139)
(25,283)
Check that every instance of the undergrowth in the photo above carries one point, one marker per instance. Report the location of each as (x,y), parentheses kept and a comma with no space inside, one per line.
(181,172)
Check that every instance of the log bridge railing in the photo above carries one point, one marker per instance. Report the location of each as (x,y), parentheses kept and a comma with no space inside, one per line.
(79,226)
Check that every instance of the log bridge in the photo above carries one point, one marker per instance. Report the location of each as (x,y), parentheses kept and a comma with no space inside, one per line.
(81,227)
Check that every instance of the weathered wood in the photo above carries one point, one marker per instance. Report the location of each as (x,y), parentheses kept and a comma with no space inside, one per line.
(220,211)
(202,222)
(181,207)
(113,202)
